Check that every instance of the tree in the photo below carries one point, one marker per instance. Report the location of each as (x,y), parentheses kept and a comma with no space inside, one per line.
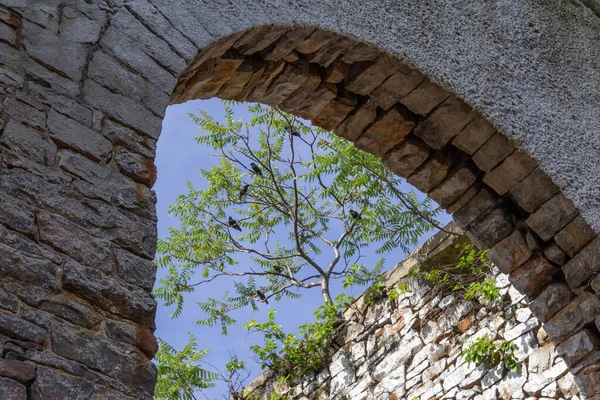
(300,203)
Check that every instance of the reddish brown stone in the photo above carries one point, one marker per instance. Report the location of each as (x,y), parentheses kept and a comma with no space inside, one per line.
(371,77)
(300,96)
(236,82)
(474,135)
(336,72)
(257,88)
(385,133)
(316,101)
(361,52)
(492,228)
(510,253)
(258,70)
(335,112)
(533,191)
(265,37)
(552,216)
(579,312)
(214,51)
(206,83)
(584,265)
(432,173)
(574,236)
(330,52)
(424,97)
(478,206)
(455,184)
(463,199)
(406,157)
(315,41)
(510,172)
(290,79)
(284,45)
(445,122)
(17,370)
(554,254)
(577,346)
(396,87)
(553,299)
(532,276)
(496,149)
(354,125)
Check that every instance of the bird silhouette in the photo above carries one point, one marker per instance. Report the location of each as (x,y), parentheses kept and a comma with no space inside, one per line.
(292,131)
(233,223)
(256,169)
(262,296)
(355,215)
(244,190)
(278,269)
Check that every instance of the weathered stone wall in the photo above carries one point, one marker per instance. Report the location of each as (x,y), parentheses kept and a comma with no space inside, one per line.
(412,348)
(490,107)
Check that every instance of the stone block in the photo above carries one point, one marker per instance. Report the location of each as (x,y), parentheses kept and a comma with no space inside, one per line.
(17,214)
(475,134)
(406,157)
(286,43)
(129,139)
(577,346)
(554,254)
(135,270)
(8,301)
(424,97)
(316,101)
(110,294)
(395,87)
(20,111)
(496,149)
(510,253)
(289,80)
(574,236)
(136,166)
(510,172)
(335,112)
(17,328)
(11,390)
(62,104)
(75,241)
(581,268)
(463,199)
(261,38)
(70,133)
(386,132)
(431,173)
(353,126)
(72,309)
(552,216)
(481,203)
(371,77)
(28,269)
(456,183)
(82,23)
(137,335)
(315,41)
(492,228)
(207,82)
(587,380)
(237,81)
(28,143)
(326,55)
(54,51)
(534,190)
(445,122)
(124,110)
(533,275)
(573,317)
(17,370)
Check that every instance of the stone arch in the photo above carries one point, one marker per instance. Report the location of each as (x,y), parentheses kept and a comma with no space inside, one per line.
(85,85)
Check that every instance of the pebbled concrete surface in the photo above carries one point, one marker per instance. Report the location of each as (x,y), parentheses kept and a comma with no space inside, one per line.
(531,67)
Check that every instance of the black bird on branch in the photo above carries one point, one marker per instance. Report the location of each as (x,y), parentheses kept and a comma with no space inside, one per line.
(233,223)
(355,215)
(256,169)
(262,296)
(244,190)
(278,269)
(292,131)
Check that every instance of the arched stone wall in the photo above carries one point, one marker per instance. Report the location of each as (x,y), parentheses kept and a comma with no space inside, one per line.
(85,85)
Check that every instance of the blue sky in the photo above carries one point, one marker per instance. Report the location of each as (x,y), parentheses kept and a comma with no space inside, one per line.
(178,160)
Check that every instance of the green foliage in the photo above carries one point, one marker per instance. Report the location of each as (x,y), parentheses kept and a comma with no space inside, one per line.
(399,291)
(483,350)
(179,374)
(296,228)
(466,276)
(295,356)
(375,292)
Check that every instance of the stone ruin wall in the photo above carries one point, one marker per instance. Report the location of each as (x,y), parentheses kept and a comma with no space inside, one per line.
(500,136)
(412,348)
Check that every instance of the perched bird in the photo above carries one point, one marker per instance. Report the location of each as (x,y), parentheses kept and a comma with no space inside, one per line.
(262,296)
(292,131)
(278,269)
(256,169)
(355,215)
(244,190)
(233,223)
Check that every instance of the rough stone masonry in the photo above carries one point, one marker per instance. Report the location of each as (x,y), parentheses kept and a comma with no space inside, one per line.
(489,107)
